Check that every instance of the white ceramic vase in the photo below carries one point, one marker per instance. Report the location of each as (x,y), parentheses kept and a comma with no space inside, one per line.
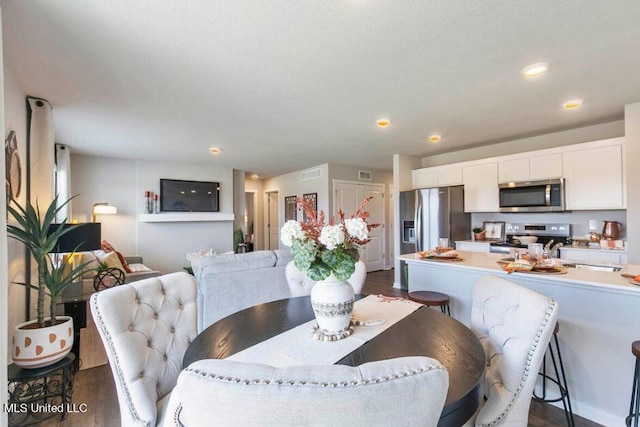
(38,347)
(332,302)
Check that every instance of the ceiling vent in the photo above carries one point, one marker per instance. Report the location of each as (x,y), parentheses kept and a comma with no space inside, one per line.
(311,174)
(364,175)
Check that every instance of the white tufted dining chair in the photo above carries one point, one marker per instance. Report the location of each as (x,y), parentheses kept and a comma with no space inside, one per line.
(248,394)
(300,285)
(146,327)
(514,325)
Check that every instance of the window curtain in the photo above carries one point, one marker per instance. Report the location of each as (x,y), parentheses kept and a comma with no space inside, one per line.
(40,170)
(63,181)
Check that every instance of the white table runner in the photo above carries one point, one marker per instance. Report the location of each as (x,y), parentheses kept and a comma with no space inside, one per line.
(298,347)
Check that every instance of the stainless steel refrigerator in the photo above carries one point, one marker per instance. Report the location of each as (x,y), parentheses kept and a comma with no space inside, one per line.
(428,214)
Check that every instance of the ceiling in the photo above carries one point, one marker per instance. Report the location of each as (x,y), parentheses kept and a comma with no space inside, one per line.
(282,85)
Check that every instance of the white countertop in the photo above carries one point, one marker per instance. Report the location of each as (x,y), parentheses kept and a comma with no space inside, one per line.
(594,249)
(488,262)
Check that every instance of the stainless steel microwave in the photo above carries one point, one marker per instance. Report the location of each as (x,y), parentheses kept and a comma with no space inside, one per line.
(532,196)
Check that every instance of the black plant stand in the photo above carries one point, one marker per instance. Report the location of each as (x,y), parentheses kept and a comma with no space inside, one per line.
(39,394)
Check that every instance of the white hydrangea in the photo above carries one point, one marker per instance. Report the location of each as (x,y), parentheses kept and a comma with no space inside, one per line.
(331,236)
(357,228)
(290,230)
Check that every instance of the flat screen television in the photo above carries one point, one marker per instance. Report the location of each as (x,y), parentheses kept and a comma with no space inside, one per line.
(189,196)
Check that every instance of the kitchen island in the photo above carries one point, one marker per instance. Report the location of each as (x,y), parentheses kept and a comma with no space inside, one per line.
(598,322)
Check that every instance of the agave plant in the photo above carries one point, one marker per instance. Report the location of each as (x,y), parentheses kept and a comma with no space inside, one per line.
(33,231)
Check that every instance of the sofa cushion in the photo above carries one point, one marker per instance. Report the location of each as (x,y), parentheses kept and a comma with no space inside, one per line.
(238,262)
(284,256)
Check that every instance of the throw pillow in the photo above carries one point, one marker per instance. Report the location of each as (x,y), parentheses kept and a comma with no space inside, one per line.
(112,260)
(138,268)
(92,259)
(107,247)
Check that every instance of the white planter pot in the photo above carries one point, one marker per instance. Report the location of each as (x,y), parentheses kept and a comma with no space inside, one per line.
(38,347)
(332,302)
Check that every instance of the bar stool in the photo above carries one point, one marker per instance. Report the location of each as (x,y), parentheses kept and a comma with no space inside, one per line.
(560,379)
(634,408)
(432,299)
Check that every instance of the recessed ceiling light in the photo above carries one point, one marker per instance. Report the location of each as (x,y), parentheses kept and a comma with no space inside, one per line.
(435,138)
(254,176)
(535,70)
(383,123)
(215,150)
(573,104)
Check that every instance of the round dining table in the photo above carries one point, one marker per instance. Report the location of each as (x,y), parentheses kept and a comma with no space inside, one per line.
(425,332)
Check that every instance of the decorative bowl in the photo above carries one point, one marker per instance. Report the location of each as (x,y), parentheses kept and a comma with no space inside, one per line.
(526,240)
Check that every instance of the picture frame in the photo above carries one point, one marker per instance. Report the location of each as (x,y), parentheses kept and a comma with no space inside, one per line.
(290,205)
(313,198)
(494,230)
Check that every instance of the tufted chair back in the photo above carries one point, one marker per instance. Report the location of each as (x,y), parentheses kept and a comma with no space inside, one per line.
(146,327)
(300,285)
(514,325)
(247,394)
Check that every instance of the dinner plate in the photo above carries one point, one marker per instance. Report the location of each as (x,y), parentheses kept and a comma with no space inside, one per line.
(443,259)
(633,282)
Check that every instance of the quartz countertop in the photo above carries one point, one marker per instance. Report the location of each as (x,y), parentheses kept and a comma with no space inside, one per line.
(488,262)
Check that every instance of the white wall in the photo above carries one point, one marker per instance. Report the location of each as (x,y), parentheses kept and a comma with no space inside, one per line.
(291,185)
(122,183)
(164,245)
(632,147)
(15,118)
(556,139)
(97,179)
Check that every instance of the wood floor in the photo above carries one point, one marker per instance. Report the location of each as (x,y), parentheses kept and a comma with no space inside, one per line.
(95,387)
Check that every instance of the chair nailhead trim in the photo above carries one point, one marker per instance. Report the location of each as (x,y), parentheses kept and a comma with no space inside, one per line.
(293,383)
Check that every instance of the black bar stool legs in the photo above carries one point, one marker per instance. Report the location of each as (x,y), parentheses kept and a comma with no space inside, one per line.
(560,379)
(634,407)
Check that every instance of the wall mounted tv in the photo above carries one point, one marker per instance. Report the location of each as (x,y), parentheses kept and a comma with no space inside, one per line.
(189,196)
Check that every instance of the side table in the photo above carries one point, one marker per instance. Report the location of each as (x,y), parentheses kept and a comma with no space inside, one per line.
(38,394)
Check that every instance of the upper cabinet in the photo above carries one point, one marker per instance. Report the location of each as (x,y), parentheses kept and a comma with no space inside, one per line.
(530,168)
(594,178)
(481,187)
(439,176)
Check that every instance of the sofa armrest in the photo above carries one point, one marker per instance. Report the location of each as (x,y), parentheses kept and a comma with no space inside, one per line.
(135,259)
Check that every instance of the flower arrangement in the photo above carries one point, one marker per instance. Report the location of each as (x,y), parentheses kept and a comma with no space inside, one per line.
(321,249)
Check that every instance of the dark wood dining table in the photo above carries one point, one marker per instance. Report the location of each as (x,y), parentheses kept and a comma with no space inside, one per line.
(425,332)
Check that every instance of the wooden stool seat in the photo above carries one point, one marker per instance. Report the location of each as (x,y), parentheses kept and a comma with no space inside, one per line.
(635,349)
(432,299)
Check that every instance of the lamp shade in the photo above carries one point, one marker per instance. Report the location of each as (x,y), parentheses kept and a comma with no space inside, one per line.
(85,237)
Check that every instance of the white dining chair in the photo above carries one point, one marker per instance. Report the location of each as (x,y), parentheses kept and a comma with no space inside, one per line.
(233,393)
(300,284)
(514,325)
(146,327)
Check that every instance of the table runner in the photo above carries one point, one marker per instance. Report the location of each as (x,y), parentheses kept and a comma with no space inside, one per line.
(298,347)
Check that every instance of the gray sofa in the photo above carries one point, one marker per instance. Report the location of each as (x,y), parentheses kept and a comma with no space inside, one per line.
(233,282)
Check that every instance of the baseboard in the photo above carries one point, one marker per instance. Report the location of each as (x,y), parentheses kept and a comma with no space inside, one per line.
(589,412)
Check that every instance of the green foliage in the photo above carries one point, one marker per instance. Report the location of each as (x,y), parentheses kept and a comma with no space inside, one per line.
(238,237)
(33,231)
(477,230)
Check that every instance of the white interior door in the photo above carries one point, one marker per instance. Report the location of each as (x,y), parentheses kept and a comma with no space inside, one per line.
(349,196)
(273,225)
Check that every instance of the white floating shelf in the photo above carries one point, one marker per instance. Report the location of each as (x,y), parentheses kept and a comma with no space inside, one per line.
(186,217)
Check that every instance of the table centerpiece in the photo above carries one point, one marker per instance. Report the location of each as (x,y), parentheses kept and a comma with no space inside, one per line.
(327,253)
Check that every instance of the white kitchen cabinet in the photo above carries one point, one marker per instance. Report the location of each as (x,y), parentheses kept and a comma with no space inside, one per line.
(530,168)
(594,178)
(604,256)
(472,246)
(513,170)
(547,166)
(437,177)
(481,187)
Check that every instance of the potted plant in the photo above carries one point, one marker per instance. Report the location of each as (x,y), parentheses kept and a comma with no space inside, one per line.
(479,233)
(46,340)
(327,253)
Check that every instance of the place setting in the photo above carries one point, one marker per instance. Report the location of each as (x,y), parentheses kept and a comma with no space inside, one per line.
(634,279)
(443,252)
(533,262)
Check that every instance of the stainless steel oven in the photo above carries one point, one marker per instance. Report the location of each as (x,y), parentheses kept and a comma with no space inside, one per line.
(532,196)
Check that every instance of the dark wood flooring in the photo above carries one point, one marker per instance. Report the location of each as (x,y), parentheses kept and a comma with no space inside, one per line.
(95,387)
